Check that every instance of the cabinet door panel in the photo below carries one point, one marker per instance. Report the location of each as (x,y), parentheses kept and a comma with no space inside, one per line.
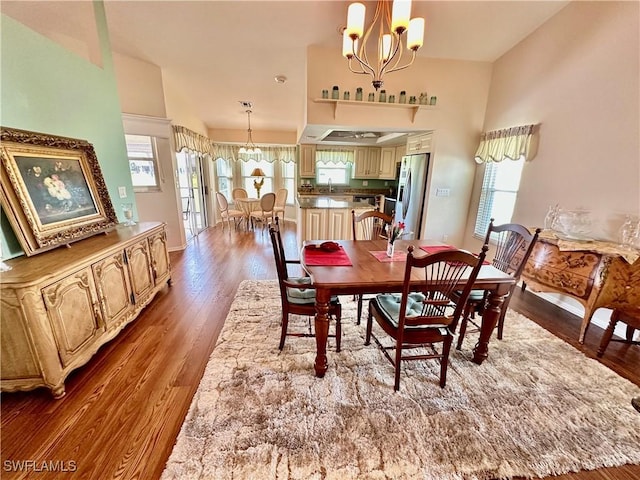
(114,291)
(315,224)
(338,223)
(159,257)
(73,313)
(139,261)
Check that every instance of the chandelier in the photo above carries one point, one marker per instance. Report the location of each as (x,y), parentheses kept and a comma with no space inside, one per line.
(249,147)
(391,23)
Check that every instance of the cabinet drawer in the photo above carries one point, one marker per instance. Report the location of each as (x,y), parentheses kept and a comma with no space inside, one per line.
(571,272)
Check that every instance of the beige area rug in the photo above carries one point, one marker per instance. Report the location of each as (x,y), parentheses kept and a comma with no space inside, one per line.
(536,407)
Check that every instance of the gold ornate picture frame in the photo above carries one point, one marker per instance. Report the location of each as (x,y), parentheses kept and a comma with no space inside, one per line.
(53,191)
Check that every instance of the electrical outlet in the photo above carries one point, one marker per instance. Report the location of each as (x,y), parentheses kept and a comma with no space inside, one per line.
(122,191)
(443,192)
(445,237)
(365,183)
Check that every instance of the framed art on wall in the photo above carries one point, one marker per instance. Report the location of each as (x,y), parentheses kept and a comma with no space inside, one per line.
(52,190)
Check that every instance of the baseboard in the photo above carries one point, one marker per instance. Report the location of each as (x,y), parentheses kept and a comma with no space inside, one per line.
(600,317)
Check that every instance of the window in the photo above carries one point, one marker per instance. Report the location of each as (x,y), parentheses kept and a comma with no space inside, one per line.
(289,179)
(247,180)
(498,196)
(333,166)
(143,163)
(224,172)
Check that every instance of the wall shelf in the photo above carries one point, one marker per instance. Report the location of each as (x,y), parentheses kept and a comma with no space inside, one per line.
(337,104)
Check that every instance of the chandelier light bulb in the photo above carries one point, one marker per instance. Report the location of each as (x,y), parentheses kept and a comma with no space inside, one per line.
(355,20)
(415,35)
(400,15)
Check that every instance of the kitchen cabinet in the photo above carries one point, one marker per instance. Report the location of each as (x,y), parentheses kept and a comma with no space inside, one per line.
(366,162)
(420,143)
(327,223)
(387,163)
(307,161)
(60,306)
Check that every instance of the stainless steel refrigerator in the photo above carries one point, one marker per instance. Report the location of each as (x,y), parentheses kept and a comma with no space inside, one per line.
(412,187)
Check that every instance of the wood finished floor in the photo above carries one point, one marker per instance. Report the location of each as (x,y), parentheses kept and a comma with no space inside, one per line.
(123,410)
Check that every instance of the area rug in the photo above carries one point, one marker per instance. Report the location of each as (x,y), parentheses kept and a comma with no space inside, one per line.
(535,407)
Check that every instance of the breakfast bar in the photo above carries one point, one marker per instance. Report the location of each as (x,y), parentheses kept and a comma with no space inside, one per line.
(326,218)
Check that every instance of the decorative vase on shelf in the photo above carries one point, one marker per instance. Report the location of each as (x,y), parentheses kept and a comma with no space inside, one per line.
(358,94)
(335,93)
(390,249)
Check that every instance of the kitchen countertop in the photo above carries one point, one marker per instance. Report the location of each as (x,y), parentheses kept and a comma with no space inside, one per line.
(318,201)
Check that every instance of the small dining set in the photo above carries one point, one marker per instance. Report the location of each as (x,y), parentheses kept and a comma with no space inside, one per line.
(420,297)
(250,211)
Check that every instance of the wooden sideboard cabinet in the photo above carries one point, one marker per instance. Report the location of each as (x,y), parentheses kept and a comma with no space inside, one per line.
(597,274)
(59,307)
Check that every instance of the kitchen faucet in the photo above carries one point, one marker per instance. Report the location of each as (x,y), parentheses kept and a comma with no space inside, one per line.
(329,183)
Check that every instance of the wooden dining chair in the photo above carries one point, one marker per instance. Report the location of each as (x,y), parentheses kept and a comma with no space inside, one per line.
(631,318)
(423,313)
(514,244)
(227,213)
(369,225)
(297,294)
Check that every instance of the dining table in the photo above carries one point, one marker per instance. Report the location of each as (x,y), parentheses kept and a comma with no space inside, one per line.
(362,267)
(246,206)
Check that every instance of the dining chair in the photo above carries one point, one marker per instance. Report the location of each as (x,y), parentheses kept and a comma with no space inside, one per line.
(281,202)
(267,202)
(226,213)
(421,316)
(631,318)
(297,294)
(369,225)
(514,244)
(237,193)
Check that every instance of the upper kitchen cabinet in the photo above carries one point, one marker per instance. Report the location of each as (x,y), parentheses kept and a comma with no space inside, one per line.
(307,161)
(419,143)
(366,162)
(389,158)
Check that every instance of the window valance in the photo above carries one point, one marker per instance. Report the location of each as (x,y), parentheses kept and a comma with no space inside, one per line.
(185,138)
(282,153)
(512,143)
(335,155)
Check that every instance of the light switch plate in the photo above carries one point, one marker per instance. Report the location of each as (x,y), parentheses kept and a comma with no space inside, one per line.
(442,192)
(365,183)
(122,191)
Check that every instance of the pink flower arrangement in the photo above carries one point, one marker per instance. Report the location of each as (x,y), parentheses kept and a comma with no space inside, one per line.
(396,230)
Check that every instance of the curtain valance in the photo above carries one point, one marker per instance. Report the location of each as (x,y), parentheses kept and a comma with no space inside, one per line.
(512,143)
(282,153)
(185,138)
(335,155)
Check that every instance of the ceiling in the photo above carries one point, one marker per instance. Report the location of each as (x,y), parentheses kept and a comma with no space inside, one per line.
(218,53)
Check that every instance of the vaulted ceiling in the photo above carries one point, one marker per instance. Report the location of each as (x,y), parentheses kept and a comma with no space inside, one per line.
(220,52)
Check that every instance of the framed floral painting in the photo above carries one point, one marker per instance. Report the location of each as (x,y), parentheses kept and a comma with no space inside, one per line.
(52,190)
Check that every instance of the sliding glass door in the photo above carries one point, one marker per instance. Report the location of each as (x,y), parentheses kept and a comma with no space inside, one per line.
(192,192)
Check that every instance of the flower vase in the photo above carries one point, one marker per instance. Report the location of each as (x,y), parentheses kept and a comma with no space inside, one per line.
(390,249)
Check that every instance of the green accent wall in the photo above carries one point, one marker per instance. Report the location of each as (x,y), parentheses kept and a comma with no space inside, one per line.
(46,88)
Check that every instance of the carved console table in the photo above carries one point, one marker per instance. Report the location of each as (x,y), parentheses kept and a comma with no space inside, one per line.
(60,306)
(597,274)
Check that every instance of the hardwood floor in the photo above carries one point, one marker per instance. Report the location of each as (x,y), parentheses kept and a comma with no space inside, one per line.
(123,410)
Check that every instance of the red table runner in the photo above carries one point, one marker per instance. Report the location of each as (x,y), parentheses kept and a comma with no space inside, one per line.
(321,258)
(436,248)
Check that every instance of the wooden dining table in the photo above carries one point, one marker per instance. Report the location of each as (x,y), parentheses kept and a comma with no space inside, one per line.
(368,275)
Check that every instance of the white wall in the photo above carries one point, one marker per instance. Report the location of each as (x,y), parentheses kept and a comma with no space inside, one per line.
(461,88)
(578,76)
